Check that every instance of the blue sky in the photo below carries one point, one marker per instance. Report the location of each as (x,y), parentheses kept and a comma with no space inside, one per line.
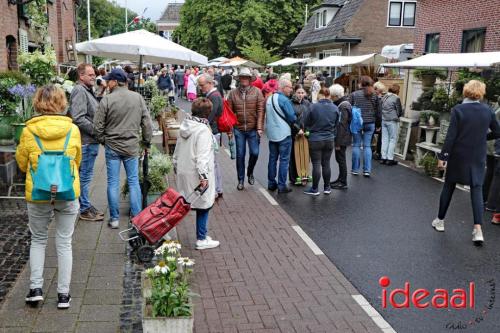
(154,7)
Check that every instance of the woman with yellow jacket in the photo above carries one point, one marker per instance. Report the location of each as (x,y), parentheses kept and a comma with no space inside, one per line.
(43,136)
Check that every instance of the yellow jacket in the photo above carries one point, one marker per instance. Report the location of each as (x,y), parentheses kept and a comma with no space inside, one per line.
(52,131)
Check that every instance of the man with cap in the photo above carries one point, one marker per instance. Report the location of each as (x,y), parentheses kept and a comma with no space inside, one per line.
(121,123)
(247,103)
(83,104)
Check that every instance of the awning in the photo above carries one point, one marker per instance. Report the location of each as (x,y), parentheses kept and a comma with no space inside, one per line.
(288,62)
(395,51)
(141,43)
(217,61)
(238,62)
(447,60)
(341,61)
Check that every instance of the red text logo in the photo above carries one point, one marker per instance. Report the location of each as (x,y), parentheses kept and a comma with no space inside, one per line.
(422,298)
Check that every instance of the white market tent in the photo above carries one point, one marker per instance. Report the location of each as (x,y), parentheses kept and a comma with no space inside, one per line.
(341,61)
(288,62)
(217,61)
(450,60)
(141,45)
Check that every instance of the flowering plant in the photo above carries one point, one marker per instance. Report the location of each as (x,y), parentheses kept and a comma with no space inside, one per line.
(170,295)
(24,94)
(39,66)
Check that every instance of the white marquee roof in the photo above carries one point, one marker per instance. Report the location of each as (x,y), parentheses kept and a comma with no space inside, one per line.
(480,59)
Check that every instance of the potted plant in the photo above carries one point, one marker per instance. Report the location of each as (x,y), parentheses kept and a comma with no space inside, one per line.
(429,162)
(9,104)
(157,106)
(23,95)
(429,76)
(167,305)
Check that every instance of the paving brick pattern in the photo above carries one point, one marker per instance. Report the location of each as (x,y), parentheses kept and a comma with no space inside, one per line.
(263,277)
(14,243)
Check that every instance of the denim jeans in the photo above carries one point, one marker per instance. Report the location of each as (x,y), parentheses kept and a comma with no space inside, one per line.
(40,216)
(131,164)
(89,154)
(201,223)
(365,137)
(241,138)
(389,133)
(281,150)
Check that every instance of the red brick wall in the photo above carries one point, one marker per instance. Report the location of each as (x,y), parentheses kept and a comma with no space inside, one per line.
(370,23)
(8,26)
(450,18)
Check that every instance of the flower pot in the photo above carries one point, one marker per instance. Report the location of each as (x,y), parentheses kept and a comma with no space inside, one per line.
(432,121)
(429,135)
(18,130)
(164,324)
(173,131)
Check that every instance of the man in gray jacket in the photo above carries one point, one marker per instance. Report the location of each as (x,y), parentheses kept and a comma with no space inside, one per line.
(121,123)
(83,104)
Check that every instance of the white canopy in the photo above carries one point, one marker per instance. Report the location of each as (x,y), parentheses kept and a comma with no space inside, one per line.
(480,59)
(217,61)
(396,51)
(288,62)
(239,62)
(131,45)
(341,61)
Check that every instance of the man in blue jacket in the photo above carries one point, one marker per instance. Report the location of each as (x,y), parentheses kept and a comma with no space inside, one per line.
(279,117)
(164,82)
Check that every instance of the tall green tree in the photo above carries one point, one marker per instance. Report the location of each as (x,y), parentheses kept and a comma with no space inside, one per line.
(225,27)
(106,18)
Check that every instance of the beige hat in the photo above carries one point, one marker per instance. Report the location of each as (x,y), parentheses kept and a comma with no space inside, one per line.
(244,71)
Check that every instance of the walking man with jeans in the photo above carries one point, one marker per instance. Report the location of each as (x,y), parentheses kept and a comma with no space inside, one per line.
(83,104)
(247,103)
(279,115)
(121,122)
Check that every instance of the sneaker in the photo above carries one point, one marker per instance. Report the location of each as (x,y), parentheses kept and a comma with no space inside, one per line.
(312,191)
(335,182)
(207,243)
(34,296)
(438,224)
(496,219)
(251,180)
(89,215)
(354,173)
(327,190)
(114,224)
(272,188)
(366,174)
(240,186)
(339,186)
(477,236)
(96,211)
(63,301)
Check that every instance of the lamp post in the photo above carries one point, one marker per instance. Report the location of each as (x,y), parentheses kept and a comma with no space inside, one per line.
(88,57)
(126,17)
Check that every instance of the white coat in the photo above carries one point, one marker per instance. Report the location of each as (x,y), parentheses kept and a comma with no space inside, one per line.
(193,157)
(191,88)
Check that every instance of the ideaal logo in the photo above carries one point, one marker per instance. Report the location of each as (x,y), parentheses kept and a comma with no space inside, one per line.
(422,298)
(459,298)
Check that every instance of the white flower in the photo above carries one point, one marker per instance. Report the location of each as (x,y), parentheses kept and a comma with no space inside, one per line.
(148,271)
(170,258)
(157,269)
(164,270)
(172,250)
(186,262)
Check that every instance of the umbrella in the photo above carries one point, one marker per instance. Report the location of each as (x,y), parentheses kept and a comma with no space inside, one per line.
(237,62)
(143,45)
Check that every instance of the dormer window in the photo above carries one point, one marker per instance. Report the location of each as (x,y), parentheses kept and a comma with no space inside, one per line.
(321,19)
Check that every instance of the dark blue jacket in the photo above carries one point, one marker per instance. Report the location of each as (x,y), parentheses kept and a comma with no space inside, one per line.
(322,120)
(465,144)
(164,82)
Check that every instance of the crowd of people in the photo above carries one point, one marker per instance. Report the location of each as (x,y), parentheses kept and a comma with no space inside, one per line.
(105,110)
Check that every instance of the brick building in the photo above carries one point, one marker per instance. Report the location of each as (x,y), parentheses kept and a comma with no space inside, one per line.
(457,26)
(355,27)
(16,35)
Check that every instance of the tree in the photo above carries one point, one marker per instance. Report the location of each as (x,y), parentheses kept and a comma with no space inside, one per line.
(256,52)
(106,19)
(225,27)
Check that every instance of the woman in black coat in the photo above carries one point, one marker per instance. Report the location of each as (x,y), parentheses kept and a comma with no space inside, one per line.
(464,154)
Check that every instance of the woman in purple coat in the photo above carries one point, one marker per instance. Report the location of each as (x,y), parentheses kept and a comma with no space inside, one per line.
(464,154)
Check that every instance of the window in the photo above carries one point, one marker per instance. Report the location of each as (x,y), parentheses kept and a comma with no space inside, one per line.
(473,40)
(317,20)
(402,13)
(324,19)
(432,43)
(320,19)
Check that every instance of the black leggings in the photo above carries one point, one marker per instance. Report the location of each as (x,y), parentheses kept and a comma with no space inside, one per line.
(321,152)
(476,195)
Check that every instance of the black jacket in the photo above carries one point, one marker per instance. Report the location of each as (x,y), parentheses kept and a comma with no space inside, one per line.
(217,104)
(344,137)
(465,144)
(301,108)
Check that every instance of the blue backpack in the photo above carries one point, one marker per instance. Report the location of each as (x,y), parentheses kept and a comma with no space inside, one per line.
(357,120)
(53,178)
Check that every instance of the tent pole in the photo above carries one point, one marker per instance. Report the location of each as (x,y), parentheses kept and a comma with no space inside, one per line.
(406,90)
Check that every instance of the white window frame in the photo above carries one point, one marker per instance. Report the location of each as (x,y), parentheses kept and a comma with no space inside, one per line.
(332,52)
(401,23)
(320,19)
(306,55)
(324,15)
(317,19)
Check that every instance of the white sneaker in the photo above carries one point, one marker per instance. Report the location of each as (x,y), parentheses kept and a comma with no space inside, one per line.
(207,243)
(438,224)
(477,236)
(114,224)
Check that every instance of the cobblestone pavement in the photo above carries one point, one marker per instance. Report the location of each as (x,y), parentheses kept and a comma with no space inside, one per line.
(14,243)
